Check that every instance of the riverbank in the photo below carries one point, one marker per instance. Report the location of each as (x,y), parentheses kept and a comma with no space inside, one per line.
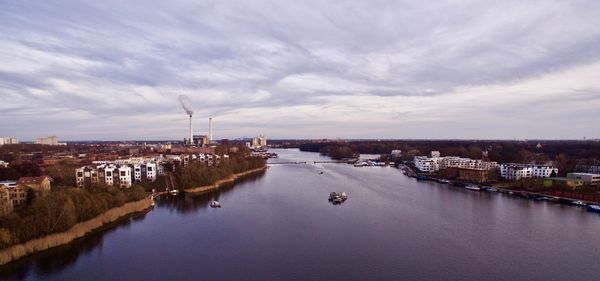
(219,183)
(18,251)
(551,195)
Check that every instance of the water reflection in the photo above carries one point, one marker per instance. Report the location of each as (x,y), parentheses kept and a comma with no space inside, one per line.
(189,203)
(59,258)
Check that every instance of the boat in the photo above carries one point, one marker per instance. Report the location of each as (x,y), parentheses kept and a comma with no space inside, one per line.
(444,181)
(593,208)
(320,173)
(489,189)
(338,197)
(578,203)
(215,204)
(174,191)
(421,178)
(472,187)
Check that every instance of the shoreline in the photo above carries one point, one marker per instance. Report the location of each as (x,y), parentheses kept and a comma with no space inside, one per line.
(559,195)
(219,183)
(78,230)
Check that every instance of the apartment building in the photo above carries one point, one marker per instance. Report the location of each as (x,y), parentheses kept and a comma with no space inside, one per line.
(8,140)
(436,163)
(515,171)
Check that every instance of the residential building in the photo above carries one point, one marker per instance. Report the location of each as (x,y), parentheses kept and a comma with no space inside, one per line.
(515,171)
(436,163)
(587,178)
(8,140)
(259,142)
(6,205)
(42,183)
(18,195)
(49,140)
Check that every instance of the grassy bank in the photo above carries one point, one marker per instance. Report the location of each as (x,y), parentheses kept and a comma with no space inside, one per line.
(78,230)
(219,183)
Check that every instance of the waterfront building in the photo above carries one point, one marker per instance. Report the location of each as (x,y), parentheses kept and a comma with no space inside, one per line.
(586,178)
(3,164)
(426,165)
(436,163)
(515,171)
(259,142)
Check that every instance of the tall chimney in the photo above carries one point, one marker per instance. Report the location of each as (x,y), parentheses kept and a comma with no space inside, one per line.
(191,140)
(209,130)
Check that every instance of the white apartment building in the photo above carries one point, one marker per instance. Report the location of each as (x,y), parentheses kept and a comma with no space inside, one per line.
(8,140)
(427,165)
(50,140)
(124,176)
(466,163)
(515,171)
(436,163)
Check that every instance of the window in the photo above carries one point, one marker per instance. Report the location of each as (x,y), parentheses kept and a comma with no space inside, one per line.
(149,169)
(122,173)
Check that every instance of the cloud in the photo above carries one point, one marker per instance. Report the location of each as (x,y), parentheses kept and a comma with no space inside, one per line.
(389,69)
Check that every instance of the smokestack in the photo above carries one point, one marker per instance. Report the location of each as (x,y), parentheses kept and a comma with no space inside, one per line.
(186,104)
(191,141)
(209,130)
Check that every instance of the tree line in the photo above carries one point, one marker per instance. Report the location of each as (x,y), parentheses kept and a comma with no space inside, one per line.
(59,209)
(197,173)
(566,153)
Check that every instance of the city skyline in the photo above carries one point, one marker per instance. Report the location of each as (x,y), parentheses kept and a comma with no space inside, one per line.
(389,70)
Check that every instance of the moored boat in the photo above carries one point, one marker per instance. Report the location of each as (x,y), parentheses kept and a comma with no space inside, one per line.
(472,187)
(215,204)
(578,203)
(593,208)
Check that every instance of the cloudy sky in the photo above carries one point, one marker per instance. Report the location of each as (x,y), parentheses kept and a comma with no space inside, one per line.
(108,70)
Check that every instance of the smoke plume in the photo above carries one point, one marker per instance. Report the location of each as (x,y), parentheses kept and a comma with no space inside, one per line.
(186,104)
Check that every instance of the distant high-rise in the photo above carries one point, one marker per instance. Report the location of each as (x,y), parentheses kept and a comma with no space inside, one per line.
(50,140)
(8,140)
(210,130)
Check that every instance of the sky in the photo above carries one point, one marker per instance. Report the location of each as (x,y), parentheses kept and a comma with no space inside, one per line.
(113,70)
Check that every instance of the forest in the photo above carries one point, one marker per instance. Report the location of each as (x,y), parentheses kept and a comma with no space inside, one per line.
(198,173)
(59,209)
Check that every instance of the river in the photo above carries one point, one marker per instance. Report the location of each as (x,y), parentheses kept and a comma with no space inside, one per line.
(280,226)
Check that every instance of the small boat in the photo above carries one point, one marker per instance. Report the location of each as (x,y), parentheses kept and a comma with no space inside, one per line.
(215,204)
(338,197)
(320,173)
(593,208)
(472,187)
(444,181)
(174,191)
(421,178)
(489,189)
(578,203)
